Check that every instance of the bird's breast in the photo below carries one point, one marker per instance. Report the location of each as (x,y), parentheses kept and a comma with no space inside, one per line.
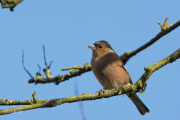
(101,72)
(109,73)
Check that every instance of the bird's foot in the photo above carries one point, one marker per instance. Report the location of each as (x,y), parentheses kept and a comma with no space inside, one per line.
(119,88)
(100,91)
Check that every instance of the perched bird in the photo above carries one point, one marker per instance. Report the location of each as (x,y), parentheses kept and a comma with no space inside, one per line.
(111,72)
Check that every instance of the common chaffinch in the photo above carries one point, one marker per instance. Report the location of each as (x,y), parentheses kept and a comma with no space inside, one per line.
(111,72)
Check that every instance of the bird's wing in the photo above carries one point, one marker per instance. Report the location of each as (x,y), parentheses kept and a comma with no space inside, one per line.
(123,66)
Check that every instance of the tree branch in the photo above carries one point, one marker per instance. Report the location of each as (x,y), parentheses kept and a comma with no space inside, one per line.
(25,67)
(10,3)
(164,30)
(139,86)
(78,70)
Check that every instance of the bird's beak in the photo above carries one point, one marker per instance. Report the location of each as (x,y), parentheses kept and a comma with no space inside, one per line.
(92,47)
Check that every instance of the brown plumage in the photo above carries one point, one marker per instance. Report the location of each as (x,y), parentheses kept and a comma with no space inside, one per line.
(111,72)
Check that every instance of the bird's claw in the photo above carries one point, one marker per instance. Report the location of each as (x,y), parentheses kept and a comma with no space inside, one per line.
(100,91)
(119,88)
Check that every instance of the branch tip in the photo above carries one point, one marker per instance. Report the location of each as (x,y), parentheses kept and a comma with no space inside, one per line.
(10,3)
(78,70)
(34,97)
(50,64)
(164,27)
(44,56)
(164,30)
(166,22)
(24,65)
(39,69)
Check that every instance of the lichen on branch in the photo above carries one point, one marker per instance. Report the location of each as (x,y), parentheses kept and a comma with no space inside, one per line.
(139,86)
(10,3)
(60,78)
(78,70)
(164,30)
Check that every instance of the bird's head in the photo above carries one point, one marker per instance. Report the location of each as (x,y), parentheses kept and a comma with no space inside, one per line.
(100,48)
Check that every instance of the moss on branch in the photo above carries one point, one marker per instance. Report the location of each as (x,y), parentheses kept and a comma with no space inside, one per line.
(78,70)
(164,30)
(84,97)
(10,3)
(151,69)
(139,86)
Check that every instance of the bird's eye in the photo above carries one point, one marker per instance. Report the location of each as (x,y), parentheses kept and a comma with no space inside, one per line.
(100,46)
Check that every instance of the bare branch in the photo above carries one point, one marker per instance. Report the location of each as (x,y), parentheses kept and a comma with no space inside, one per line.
(78,70)
(10,3)
(55,102)
(164,30)
(75,67)
(46,70)
(60,78)
(34,97)
(39,69)
(44,56)
(24,66)
(149,70)
(5,102)
(139,86)
(50,64)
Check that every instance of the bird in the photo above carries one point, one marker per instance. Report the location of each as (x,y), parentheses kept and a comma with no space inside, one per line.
(111,72)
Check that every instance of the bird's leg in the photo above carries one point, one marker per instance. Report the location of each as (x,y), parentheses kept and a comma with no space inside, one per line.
(119,88)
(101,90)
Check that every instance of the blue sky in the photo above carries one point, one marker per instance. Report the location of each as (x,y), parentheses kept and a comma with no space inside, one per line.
(66,28)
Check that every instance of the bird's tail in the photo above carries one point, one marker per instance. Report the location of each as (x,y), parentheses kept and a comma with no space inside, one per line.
(139,104)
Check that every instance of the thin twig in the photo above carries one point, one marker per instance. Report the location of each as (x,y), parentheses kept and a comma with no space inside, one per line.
(164,30)
(78,70)
(44,56)
(50,64)
(34,97)
(137,87)
(24,66)
(10,3)
(39,68)
(61,78)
